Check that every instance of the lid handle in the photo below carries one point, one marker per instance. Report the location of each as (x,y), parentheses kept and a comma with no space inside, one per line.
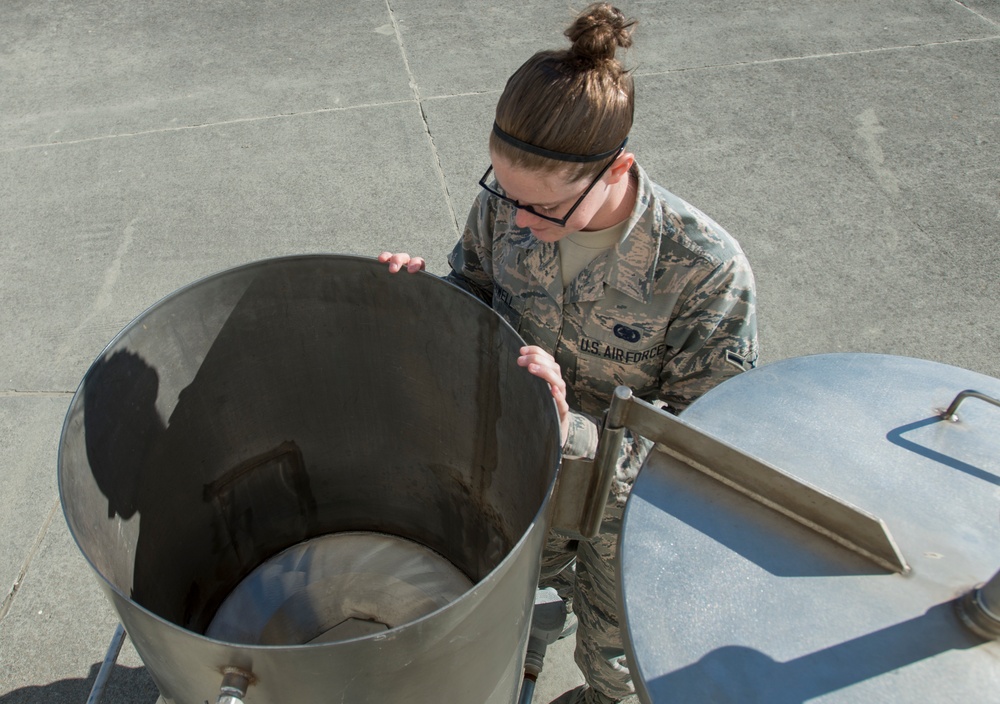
(949,413)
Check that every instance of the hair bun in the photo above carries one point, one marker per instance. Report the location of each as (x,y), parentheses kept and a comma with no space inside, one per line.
(598,32)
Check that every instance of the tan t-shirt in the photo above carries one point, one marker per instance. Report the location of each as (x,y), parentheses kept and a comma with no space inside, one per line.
(579,249)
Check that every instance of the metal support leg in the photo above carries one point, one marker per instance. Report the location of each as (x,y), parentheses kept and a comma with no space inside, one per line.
(117,640)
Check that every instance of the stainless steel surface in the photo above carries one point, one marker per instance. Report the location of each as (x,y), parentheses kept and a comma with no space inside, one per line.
(302,397)
(337,587)
(727,601)
(828,515)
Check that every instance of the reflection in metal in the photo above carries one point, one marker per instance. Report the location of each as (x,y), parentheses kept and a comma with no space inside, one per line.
(337,587)
(726,600)
(268,406)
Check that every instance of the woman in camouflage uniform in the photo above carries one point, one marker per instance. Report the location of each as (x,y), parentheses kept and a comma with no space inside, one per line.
(610,279)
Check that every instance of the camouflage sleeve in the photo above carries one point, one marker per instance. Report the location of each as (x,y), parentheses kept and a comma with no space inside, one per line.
(471,260)
(713,337)
(581,441)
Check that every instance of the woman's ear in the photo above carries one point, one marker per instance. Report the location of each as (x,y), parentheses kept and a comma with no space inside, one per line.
(621,167)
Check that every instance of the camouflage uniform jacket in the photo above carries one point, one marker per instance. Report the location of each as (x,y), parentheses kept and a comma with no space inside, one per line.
(669,312)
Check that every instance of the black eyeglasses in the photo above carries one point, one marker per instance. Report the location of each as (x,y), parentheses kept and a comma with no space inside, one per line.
(561,222)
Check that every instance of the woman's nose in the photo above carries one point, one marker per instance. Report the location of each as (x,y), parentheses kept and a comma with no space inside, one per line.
(523,218)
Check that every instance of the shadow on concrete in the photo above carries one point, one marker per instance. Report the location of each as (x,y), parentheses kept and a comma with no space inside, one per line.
(126,685)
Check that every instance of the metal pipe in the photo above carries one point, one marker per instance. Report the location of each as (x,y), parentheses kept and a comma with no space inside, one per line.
(989,596)
(110,658)
(583,484)
(234,686)
(608,448)
(979,609)
(527,690)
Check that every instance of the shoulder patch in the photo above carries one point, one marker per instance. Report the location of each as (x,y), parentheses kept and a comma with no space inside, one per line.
(743,363)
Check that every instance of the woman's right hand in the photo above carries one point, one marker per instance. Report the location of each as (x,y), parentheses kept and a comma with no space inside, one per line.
(543,365)
(401,259)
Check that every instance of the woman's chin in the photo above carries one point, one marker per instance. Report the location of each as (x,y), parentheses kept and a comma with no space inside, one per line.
(547,234)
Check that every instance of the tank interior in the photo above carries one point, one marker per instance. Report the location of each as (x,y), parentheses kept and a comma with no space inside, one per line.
(264,409)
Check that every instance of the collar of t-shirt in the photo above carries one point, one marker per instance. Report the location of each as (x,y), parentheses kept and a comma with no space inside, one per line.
(579,249)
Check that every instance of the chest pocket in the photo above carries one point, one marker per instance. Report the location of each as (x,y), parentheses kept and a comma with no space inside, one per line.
(614,353)
(509,306)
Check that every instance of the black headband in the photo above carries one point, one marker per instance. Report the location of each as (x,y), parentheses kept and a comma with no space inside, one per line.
(559,156)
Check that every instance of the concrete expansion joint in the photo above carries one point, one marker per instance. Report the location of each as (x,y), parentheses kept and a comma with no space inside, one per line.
(8,599)
(976,12)
(811,57)
(206,125)
(415,89)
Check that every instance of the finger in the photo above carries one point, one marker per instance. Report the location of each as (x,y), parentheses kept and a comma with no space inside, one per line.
(537,355)
(541,362)
(550,376)
(534,349)
(384,257)
(415,264)
(560,398)
(398,261)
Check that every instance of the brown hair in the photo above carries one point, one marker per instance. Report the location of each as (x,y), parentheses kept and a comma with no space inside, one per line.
(576,101)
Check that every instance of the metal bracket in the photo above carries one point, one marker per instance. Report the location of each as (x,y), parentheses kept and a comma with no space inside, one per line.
(584,485)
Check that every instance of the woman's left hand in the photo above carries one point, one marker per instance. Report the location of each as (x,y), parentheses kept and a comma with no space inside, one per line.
(544,366)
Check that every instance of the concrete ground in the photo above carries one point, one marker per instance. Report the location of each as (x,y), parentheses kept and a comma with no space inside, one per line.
(852,146)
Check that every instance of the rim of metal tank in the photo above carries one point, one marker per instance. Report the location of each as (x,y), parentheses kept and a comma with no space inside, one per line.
(205,280)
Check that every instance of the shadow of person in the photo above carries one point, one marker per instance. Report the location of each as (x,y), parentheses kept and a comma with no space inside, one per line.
(122,425)
(126,685)
(206,498)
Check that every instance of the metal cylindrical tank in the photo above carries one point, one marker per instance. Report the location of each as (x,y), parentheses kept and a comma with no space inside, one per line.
(270,437)
(822,529)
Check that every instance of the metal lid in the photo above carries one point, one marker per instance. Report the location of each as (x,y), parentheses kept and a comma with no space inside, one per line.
(727,600)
